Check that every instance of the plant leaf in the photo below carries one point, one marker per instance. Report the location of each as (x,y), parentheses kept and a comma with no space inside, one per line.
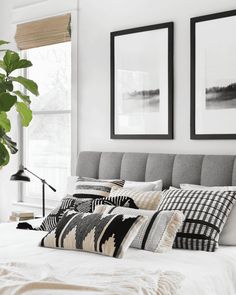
(4,155)
(24,97)
(2,42)
(6,85)
(6,101)
(2,65)
(23,63)
(5,122)
(11,60)
(10,144)
(2,76)
(24,112)
(27,83)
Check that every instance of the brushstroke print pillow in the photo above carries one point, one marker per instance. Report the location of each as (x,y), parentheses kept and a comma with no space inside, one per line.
(106,234)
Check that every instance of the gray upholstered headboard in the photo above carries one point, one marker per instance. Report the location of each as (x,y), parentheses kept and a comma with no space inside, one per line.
(207,170)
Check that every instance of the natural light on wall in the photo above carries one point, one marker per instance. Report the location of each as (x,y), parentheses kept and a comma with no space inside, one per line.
(47,142)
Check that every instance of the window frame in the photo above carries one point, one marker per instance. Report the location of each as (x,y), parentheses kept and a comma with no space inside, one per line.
(73,111)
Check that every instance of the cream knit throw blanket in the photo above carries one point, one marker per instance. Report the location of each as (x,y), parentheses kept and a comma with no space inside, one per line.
(35,279)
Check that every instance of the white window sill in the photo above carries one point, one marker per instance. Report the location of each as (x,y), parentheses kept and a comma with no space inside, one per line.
(24,204)
(35,208)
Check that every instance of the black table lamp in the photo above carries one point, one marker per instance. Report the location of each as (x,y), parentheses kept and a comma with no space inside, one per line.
(21,176)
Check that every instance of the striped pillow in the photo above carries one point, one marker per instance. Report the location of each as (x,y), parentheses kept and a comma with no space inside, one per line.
(157,234)
(205,215)
(93,188)
(144,200)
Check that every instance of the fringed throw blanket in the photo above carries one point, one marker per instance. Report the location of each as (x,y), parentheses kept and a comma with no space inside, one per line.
(35,279)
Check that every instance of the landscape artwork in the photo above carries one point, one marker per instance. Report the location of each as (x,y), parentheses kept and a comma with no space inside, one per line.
(141,82)
(213,72)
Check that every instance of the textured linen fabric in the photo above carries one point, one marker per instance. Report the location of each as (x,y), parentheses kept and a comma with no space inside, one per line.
(172,169)
(187,168)
(106,234)
(216,170)
(157,234)
(143,186)
(205,215)
(228,234)
(144,200)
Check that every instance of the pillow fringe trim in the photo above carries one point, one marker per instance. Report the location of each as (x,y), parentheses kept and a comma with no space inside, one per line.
(169,235)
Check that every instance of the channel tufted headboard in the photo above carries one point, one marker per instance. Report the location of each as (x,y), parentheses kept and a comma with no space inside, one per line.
(209,170)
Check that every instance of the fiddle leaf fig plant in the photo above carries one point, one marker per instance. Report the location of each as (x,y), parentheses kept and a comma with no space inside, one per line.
(13,98)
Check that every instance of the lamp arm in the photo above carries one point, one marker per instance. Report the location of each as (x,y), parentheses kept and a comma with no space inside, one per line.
(41,179)
(26,169)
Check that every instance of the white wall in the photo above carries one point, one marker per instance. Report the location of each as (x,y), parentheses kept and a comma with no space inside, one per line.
(96,20)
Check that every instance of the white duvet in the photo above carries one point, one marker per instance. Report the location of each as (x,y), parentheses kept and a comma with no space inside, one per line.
(26,268)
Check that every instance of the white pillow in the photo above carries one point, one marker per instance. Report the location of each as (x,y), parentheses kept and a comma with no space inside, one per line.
(143,186)
(228,234)
(173,187)
(71,182)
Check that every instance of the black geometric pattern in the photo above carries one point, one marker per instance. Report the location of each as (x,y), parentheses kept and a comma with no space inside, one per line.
(122,201)
(205,215)
(51,221)
(106,234)
(80,205)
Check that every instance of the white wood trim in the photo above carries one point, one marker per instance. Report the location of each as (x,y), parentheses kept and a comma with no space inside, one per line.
(44,9)
(23,5)
(74,90)
(56,112)
(25,204)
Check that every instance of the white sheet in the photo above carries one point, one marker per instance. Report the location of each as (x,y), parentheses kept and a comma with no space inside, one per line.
(205,273)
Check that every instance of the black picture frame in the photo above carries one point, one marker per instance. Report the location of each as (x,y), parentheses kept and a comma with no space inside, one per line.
(193,23)
(113,35)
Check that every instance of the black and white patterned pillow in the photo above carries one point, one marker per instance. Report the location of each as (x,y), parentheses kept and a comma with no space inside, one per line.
(121,201)
(106,234)
(205,215)
(157,234)
(149,200)
(68,203)
(95,188)
(82,206)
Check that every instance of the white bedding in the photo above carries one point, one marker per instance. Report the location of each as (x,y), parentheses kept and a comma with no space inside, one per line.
(21,259)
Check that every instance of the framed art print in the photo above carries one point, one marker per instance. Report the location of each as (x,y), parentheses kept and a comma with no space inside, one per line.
(213,76)
(142,82)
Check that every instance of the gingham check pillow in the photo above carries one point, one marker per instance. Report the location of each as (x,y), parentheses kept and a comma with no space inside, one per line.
(205,215)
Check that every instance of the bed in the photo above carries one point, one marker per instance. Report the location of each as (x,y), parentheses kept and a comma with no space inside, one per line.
(26,268)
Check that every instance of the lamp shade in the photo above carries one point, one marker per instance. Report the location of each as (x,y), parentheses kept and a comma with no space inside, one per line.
(20,176)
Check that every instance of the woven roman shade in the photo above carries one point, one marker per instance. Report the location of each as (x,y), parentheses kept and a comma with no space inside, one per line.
(43,32)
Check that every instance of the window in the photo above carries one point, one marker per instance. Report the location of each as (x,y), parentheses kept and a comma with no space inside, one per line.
(47,141)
